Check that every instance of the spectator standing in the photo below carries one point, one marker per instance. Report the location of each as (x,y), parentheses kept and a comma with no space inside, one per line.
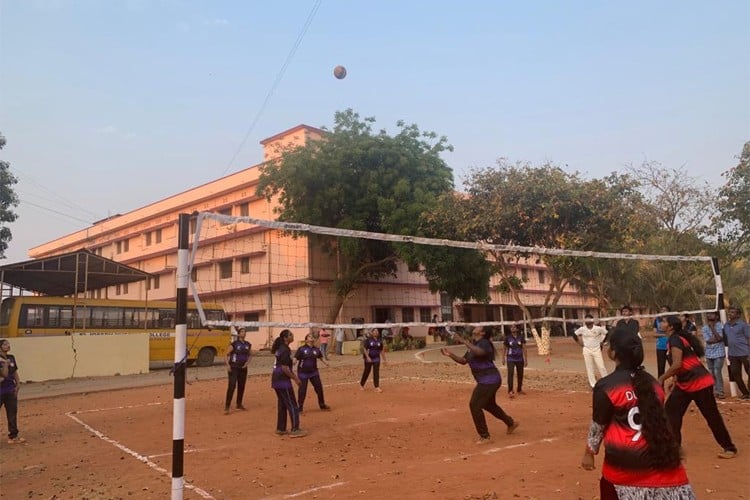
(9,387)
(628,322)
(339,337)
(592,337)
(662,340)
(737,334)
(715,351)
(324,336)
(514,353)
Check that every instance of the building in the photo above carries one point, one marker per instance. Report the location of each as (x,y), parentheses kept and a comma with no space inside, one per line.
(261,274)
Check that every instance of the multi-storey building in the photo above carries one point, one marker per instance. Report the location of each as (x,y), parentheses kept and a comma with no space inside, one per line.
(262,274)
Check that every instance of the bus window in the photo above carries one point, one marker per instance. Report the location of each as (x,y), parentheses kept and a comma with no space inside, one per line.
(106,317)
(32,316)
(60,317)
(5,310)
(166,318)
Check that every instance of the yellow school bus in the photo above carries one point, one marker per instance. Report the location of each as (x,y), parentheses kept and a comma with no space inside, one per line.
(39,316)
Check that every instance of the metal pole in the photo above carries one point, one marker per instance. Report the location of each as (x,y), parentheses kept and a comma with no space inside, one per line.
(733,391)
(180,358)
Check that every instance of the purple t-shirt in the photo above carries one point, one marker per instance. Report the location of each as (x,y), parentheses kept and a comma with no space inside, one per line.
(483,367)
(307,361)
(514,347)
(373,347)
(279,380)
(8,385)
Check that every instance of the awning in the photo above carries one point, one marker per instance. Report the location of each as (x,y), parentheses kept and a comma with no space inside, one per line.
(70,273)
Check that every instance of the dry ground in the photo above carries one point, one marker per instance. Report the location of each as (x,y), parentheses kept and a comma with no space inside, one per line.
(414,440)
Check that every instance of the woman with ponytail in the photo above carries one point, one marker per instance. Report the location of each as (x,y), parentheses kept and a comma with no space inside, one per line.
(641,455)
(693,382)
(281,381)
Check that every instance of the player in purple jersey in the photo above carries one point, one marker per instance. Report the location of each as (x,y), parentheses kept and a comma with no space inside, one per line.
(9,391)
(514,352)
(281,381)
(372,352)
(236,360)
(307,357)
(480,357)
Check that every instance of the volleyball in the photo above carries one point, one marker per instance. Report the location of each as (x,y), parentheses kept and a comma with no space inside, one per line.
(339,72)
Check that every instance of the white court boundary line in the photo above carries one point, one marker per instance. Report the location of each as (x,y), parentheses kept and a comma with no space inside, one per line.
(141,458)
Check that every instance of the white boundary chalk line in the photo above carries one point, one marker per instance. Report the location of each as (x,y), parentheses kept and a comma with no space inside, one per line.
(136,455)
(128,407)
(490,451)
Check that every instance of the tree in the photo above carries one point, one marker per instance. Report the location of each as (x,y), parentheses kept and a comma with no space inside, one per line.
(355,178)
(8,201)
(733,218)
(518,204)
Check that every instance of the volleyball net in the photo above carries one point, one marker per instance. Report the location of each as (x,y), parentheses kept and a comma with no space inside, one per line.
(270,275)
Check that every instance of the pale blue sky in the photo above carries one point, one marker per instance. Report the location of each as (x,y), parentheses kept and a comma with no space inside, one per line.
(110,105)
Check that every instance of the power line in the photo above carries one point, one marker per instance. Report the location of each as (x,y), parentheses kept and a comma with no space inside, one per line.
(276,82)
(54,211)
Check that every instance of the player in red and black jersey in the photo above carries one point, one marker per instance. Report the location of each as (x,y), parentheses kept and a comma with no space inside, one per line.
(693,383)
(641,455)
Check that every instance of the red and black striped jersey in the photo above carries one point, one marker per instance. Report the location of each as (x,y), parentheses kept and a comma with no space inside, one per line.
(626,460)
(692,375)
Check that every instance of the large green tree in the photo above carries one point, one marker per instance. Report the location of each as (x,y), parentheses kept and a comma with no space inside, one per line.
(734,205)
(519,204)
(356,178)
(8,201)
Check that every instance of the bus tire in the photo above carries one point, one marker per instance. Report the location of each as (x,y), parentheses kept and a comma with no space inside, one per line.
(206,356)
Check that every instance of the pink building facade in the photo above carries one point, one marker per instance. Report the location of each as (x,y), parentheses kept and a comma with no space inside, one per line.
(261,274)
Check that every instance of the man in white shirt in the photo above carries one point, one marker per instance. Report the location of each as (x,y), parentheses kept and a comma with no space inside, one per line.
(592,337)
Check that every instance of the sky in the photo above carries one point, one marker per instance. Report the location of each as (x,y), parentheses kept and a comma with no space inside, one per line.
(109,105)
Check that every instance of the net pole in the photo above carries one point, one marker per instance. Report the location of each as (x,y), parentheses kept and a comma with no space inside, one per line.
(733,391)
(180,358)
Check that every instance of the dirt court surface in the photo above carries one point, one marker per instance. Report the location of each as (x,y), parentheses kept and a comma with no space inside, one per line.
(414,440)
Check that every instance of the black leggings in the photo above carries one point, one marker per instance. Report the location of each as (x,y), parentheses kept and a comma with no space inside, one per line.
(483,399)
(661,362)
(317,385)
(237,377)
(677,404)
(375,367)
(10,401)
(518,369)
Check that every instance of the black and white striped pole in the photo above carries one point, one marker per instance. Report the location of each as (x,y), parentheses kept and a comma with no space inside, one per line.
(180,358)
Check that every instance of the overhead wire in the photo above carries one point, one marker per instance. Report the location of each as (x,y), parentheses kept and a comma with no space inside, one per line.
(276,82)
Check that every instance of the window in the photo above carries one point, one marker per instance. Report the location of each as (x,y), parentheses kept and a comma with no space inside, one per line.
(245,265)
(194,274)
(118,290)
(541,276)
(225,269)
(122,246)
(124,288)
(157,236)
(425,314)
(148,239)
(121,289)
(252,317)
(226,211)
(153,283)
(524,274)
(244,210)
(31,316)
(193,225)
(60,317)
(407,314)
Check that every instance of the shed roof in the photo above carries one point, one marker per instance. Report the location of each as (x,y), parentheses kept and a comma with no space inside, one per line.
(70,273)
